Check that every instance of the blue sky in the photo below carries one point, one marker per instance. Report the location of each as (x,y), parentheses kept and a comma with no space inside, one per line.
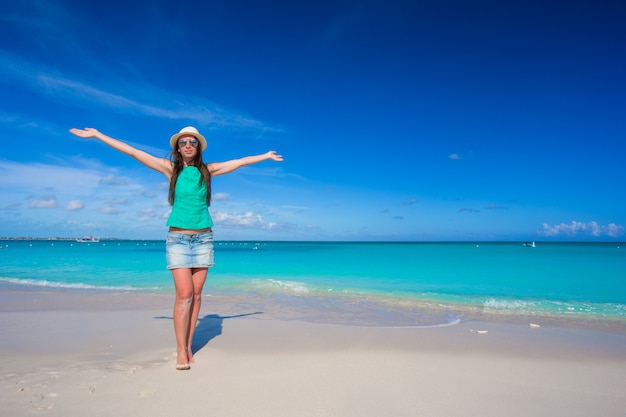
(398,120)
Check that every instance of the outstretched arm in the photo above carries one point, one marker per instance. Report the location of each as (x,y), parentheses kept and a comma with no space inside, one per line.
(220,168)
(158,164)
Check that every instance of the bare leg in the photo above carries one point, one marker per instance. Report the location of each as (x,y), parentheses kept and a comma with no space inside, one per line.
(198,276)
(182,313)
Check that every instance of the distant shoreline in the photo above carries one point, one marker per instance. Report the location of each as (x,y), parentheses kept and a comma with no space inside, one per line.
(62,238)
(478,242)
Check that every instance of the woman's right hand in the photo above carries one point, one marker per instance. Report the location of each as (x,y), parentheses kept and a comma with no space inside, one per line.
(87,132)
(162,165)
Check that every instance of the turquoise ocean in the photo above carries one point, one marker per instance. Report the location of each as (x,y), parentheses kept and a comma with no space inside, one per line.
(556,280)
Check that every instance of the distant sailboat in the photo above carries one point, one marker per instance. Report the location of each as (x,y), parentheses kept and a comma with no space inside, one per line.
(530,244)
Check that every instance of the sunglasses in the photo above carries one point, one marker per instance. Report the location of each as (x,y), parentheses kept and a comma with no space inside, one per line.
(184,142)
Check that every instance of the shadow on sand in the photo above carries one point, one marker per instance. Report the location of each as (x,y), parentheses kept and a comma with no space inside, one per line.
(208,328)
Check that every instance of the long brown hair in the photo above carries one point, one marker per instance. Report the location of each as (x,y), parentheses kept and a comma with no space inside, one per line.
(178,165)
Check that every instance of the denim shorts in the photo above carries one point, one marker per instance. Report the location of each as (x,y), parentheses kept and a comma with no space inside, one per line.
(189,251)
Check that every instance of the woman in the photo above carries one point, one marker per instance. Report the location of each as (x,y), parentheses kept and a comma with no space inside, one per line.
(189,247)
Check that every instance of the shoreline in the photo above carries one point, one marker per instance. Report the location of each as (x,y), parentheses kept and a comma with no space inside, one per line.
(68,354)
(343,309)
(358,315)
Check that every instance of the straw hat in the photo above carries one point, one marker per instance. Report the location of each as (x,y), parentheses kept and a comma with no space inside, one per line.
(189,130)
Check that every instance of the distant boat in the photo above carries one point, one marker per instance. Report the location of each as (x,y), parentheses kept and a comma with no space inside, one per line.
(88,239)
(530,244)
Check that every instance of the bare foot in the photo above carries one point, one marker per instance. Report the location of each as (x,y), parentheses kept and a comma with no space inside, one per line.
(190,356)
(182,362)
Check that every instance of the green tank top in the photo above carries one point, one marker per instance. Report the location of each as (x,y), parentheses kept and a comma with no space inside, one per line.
(190,209)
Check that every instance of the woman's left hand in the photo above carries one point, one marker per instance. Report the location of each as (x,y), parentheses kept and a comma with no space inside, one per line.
(274,156)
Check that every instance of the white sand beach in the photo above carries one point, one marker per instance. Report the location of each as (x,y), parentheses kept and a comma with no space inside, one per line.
(87,354)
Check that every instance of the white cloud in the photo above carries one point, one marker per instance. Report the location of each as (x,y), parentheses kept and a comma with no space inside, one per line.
(248,220)
(118,201)
(112,179)
(75,205)
(147,211)
(220,196)
(454,156)
(147,214)
(109,210)
(12,206)
(582,229)
(45,202)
